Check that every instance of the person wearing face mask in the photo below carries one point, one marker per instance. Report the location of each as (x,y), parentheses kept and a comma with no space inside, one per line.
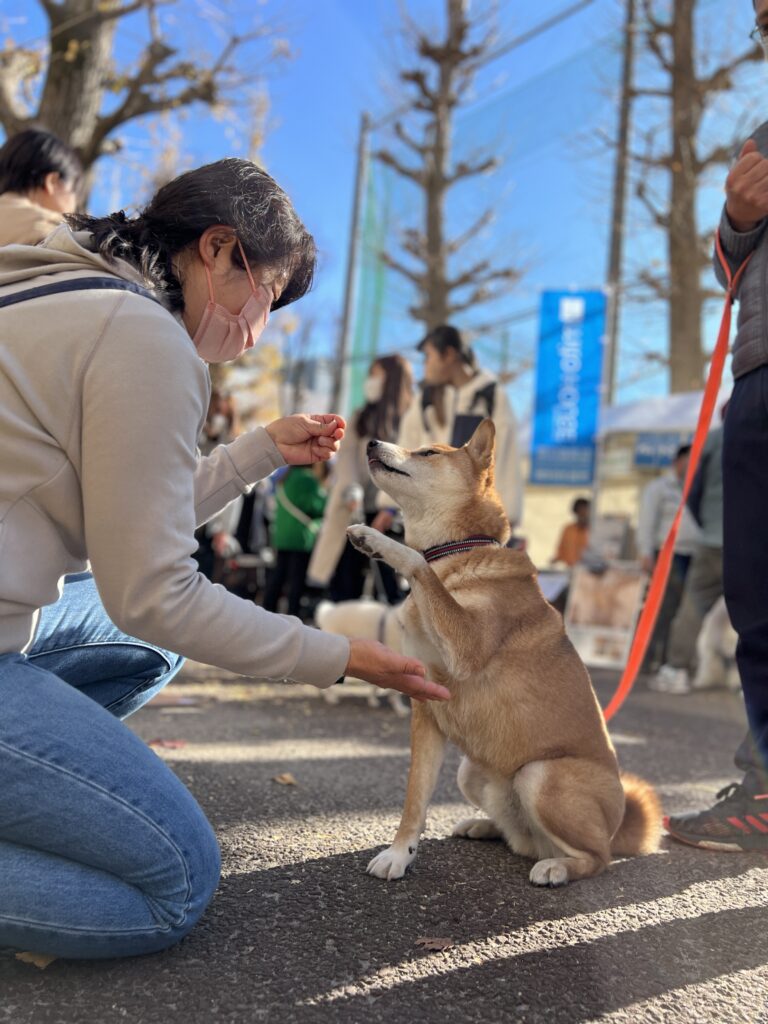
(335,564)
(105,329)
(454,397)
(39,178)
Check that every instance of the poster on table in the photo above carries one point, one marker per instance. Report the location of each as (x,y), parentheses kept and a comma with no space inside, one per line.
(602,611)
(568,376)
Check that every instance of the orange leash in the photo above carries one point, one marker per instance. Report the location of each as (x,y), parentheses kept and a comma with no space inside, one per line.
(663,565)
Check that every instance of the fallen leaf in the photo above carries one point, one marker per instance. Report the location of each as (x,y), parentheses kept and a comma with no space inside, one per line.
(434,945)
(41,960)
(285,779)
(168,744)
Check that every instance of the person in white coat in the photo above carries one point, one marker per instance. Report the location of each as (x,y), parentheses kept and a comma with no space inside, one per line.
(388,392)
(455,397)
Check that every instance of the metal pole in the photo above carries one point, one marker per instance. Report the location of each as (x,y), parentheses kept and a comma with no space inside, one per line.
(613,282)
(342,347)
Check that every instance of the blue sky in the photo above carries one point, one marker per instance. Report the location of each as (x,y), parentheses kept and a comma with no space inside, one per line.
(539,106)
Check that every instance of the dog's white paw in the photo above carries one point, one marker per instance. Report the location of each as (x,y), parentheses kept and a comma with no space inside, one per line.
(476,828)
(391,863)
(551,872)
(367,540)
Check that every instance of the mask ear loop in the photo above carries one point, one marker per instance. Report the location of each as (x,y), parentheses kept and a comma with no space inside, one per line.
(247,267)
(211,295)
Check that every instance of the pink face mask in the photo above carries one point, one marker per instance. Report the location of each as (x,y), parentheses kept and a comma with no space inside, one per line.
(221,335)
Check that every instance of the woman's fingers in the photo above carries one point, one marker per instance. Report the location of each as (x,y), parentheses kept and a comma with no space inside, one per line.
(421,689)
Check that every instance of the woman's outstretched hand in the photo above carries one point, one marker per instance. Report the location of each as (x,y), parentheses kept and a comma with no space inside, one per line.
(302,439)
(377,664)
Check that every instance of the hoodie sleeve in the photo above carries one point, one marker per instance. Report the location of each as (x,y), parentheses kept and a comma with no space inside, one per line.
(231,469)
(144,394)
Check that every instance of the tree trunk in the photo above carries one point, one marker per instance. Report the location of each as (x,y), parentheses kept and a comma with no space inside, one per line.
(436,291)
(686,299)
(81,54)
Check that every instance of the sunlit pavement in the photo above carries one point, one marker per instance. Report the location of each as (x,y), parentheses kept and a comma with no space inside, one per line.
(299,932)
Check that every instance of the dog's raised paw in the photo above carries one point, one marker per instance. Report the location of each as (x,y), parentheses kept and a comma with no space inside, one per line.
(476,828)
(552,872)
(391,863)
(364,539)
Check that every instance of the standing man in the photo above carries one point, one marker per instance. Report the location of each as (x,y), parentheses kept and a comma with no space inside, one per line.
(455,397)
(658,508)
(704,582)
(735,822)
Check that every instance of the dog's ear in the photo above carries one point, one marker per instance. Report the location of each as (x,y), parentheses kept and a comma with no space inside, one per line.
(480,445)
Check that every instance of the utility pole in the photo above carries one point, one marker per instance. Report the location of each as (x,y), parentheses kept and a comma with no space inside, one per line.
(613,283)
(361,174)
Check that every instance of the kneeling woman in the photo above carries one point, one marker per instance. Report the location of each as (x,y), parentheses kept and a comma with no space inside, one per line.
(104,333)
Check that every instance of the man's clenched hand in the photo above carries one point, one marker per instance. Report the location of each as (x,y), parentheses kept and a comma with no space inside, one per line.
(746,188)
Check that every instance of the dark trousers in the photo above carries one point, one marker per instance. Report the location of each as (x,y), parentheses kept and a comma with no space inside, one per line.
(673,595)
(745,552)
(289,572)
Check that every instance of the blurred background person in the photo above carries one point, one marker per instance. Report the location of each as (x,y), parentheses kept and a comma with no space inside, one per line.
(704,581)
(388,392)
(575,536)
(222,424)
(39,179)
(658,507)
(215,538)
(456,395)
(299,504)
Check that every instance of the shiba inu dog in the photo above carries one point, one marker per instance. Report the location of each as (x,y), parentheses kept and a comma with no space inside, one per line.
(538,760)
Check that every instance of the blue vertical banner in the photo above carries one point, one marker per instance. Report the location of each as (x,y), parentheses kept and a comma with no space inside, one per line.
(568,376)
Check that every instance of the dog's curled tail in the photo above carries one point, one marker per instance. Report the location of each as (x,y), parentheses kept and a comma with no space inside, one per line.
(640,831)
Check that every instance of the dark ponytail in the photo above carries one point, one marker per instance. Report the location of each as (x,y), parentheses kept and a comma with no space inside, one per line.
(232,192)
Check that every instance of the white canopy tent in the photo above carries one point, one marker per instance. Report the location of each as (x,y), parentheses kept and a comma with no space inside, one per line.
(663,415)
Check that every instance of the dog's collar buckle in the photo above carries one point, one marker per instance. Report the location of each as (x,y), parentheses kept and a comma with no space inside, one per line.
(457,547)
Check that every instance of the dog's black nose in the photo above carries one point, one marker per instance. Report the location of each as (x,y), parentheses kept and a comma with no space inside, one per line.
(372,445)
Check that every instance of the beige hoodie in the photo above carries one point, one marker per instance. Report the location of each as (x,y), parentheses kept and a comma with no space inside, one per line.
(102,397)
(23,222)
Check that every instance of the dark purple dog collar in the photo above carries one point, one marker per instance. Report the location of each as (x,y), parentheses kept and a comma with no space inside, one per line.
(456,547)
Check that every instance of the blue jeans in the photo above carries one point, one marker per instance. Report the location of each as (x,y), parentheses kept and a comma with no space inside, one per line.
(103,852)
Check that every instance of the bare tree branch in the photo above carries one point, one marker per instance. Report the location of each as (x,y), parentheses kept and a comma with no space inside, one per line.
(467,170)
(418,147)
(414,173)
(419,79)
(412,275)
(660,219)
(657,31)
(482,294)
(721,79)
(461,240)
(655,284)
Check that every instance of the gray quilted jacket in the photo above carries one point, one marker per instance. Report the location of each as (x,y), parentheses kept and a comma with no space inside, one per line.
(750,349)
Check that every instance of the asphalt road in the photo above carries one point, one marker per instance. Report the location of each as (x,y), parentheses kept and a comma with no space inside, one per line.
(299,933)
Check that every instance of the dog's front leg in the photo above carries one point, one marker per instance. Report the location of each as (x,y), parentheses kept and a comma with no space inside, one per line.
(376,545)
(427,752)
(444,620)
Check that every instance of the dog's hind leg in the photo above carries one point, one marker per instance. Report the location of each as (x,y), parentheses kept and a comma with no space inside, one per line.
(573,809)
(498,799)
(473,782)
